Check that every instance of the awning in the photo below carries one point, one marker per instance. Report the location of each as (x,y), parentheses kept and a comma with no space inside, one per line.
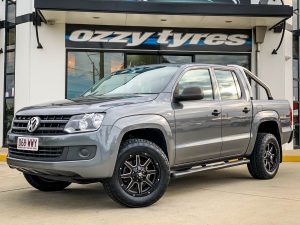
(166,14)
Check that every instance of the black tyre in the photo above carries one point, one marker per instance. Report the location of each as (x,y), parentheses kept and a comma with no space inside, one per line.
(44,184)
(265,159)
(141,175)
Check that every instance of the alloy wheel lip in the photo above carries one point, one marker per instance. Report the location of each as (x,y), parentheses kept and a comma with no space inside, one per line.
(270,158)
(138,167)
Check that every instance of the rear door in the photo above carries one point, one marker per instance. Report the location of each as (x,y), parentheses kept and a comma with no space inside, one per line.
(236,113)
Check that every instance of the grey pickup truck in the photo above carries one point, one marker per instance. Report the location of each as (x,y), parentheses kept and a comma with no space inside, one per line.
(136,128)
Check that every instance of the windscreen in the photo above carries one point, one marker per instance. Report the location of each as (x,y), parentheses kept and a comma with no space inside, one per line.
(138,80)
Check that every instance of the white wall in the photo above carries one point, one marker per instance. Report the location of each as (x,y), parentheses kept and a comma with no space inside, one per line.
(2,42)
(42,71)
(276,70)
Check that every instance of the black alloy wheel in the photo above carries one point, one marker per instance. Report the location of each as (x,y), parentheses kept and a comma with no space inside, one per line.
(265,158)
(141,175)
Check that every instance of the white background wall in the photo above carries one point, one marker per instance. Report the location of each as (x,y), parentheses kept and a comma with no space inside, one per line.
(2,42)
(276,70)
(41,70)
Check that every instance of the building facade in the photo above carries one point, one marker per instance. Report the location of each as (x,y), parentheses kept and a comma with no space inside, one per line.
(54,49)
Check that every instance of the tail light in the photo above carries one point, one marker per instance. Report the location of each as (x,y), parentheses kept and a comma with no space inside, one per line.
(291,117)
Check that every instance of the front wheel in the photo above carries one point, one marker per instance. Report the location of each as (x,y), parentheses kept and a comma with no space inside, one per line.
(141,174)
(44,184)
(265,159)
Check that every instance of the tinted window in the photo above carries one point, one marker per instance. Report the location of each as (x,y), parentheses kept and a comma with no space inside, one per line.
(228,85)
(197,78)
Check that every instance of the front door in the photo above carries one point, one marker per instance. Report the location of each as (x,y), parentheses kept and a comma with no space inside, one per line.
(236,114)
(198,122)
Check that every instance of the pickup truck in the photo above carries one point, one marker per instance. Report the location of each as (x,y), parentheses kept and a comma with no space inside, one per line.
(137,128)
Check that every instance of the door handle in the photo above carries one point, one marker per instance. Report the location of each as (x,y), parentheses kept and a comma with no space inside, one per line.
(216,112)
(246,110)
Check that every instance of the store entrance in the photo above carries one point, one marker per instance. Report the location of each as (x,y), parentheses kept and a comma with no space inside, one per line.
(85,68)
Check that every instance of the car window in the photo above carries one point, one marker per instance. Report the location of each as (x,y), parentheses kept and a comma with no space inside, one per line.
(197,78)
(228,85)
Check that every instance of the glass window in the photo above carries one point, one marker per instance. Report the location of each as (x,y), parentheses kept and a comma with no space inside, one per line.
(11,38)
(175,59)
(197,78)
(141,80)
(10,62)
(87,68)
(113,62)
(296,68)
(242,60)
(295,46)
(11,13)
(140,60)
(228,85)
(9,115)
(10,86)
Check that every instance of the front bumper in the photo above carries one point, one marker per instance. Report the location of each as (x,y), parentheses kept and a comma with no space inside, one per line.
(100,166)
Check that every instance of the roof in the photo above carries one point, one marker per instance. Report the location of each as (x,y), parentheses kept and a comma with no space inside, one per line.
(163,14)
(184,8)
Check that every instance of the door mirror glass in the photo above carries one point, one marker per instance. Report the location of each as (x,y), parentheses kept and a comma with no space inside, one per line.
(190,93)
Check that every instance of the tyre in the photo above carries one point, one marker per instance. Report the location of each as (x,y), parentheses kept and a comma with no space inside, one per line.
(44,184)
(141,175)
(265,159)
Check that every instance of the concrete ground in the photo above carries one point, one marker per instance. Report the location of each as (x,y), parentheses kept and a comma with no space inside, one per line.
(226,197)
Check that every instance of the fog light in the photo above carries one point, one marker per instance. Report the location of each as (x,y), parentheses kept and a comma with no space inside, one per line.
(84,153)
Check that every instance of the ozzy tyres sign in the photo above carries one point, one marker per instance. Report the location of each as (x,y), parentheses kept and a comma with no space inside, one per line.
(145,38)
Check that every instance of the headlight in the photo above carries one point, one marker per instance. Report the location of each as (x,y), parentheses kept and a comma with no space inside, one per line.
(84,123)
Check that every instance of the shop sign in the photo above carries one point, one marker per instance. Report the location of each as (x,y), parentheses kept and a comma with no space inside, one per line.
(104,37)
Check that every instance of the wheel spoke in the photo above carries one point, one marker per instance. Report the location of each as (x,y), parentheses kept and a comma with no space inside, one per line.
(138,160)
(140,187)
(265,162)
(130,185)
(129,165)
(146,164)
(151,172)
(270,166)
(147,181)
(126,175)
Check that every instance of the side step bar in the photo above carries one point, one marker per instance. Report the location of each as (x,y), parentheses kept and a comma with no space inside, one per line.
(215,166)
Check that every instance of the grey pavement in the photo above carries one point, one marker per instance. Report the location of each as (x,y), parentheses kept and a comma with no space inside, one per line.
(227,197)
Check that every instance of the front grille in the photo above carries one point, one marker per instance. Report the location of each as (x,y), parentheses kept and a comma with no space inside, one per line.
(50,125)
(42,153)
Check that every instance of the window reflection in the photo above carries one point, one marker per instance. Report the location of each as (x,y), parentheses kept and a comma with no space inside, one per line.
(175,59)
(228,85)
(241,60)
(140,60)
(197,78)
(87,68)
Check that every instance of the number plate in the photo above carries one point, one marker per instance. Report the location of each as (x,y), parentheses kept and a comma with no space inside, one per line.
(28,143)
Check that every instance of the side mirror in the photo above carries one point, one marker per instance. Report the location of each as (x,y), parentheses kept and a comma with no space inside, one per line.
(190,93)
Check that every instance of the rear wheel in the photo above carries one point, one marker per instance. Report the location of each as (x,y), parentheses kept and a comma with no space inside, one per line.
(44,184)
(265,159)
(141,174)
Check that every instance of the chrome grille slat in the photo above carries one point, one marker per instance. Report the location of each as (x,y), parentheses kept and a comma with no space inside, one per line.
(49,124)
